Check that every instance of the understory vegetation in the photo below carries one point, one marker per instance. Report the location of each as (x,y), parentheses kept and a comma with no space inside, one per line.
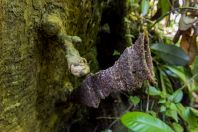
(171,103)
(99,66)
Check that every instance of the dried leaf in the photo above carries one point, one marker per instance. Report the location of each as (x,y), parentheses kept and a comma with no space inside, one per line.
(185,42)
(188,44)
(193,51)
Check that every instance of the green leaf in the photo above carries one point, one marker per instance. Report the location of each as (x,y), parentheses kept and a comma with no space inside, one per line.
(144,7)
(134,100)
(153,113)
(178,71)
(195,66)
(195,86)
(162,84)
(171,54)
(177,96)
(165,6)
(153,91)
(142,122)
(172,114)
(166,81)
(177,127)
(116,53)
(162,108)
(172,106)
(162,101)
(133,3)
(194,111)
(187,115)
(181,111)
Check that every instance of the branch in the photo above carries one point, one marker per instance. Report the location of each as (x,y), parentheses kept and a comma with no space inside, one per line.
(173,10)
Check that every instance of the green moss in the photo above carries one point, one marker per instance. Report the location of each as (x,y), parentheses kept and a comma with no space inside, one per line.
(34,75)
(52,120)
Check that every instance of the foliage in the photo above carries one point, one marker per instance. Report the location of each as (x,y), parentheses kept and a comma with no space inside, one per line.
(175,65)
(171,54)
(142,122)
(144,7)
(134,100)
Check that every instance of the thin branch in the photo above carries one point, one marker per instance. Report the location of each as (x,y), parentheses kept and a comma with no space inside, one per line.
(130,106)
(109,118)
(173,10)
(147,103)
(110,126)
(152,104)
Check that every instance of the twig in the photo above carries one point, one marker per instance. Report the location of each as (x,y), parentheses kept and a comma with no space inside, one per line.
(152,104)
(112,124)
(130,106)
(147,103)
(173,10)
(109,118)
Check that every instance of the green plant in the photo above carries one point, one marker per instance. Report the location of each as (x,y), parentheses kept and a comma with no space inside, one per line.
(173,112)
(175,66)
(142,122)
(171,106)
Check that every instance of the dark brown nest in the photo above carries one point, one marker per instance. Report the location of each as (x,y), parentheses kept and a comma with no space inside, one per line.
(127,74)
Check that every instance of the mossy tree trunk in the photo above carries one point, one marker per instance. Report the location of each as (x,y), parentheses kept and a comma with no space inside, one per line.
(35,83)
(33,69)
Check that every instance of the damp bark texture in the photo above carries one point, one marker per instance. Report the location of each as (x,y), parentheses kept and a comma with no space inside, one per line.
(127,74)
(34,75)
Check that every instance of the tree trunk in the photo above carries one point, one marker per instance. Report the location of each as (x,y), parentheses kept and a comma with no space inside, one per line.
(34,76)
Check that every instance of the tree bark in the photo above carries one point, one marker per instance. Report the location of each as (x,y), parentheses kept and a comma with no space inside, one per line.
(34,75)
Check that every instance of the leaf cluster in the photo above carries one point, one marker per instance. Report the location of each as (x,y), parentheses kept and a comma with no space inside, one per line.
(175,65)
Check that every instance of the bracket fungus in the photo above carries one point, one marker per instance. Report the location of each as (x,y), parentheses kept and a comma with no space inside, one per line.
(127,74)
(52,26)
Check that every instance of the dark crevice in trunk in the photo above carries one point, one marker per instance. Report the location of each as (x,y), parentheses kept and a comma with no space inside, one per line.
(111,36)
